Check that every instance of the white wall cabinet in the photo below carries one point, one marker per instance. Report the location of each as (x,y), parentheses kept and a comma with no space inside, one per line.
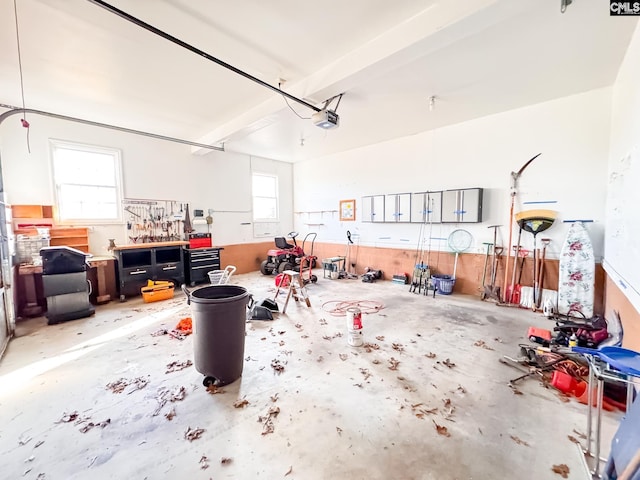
(462,206)
(426,207)
(373,208)
(397,208)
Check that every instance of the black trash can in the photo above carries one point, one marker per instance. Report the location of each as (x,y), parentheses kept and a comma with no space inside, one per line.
(219,315)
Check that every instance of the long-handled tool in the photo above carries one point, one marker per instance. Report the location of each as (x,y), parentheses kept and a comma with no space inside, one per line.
(545,243)
(534,222)
(509,297)
(484,269)
(513,192)
(492,290)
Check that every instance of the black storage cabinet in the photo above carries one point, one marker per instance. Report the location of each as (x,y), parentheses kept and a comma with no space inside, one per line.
(65,284)
(199,262)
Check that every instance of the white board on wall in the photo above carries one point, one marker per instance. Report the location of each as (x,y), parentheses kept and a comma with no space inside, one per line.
(622,234)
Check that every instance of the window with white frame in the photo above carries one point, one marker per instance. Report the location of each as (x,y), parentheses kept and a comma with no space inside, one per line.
(87,182)
(265,197)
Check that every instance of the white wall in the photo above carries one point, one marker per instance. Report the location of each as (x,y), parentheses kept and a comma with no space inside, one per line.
(152,169)
(622,244)
(572,133)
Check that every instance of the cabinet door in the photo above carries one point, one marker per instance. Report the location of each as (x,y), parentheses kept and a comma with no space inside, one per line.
(418,207)
(451,206)
(403,203)
(433,207)
(391,208)
(367,209)
(471,211)
(377,214)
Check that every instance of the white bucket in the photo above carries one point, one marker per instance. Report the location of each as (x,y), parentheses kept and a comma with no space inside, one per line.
(355,332)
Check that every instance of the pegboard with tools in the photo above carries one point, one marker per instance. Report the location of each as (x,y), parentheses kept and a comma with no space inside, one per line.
(149,221)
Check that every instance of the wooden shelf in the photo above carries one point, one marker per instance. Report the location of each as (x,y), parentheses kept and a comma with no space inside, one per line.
(74,237)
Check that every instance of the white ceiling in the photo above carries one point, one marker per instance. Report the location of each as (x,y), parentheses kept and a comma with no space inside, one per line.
(478,57)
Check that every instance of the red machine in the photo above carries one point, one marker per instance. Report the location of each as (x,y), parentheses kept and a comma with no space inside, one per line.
(285,256)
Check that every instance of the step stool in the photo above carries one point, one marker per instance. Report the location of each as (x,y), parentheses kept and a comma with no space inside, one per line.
(297,290)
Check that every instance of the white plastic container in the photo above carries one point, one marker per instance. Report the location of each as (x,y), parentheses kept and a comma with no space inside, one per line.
(355,333)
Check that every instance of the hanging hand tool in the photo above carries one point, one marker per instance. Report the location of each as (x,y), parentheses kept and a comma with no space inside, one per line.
(545,243)
(509,299)
(492,290)
(484,269)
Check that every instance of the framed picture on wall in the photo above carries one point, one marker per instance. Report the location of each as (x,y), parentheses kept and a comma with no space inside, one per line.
(347,210)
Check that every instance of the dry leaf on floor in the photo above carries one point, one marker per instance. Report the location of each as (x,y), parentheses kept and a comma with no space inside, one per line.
(447,402)
(442,430)
(170,414)
(580,434)
(343,356)
(119,385)
(204,462)
(241,403)
(461,389)
(298,326)
(430,355)
(380,338)
(267,422)
(40,476)
(448,363)
(339,430)
(323,321)
(562,470)
(393,363)
(192,434)
(277,366)
(90,425)
(319,359)
(498,339)
(66,418)
(177,366)
(304,336)
(398,347)
(375,361)
(214,390)
(281,332)
(573,439)
(369,347)
(226,460)
(274,398)
(281,343)
(357,385)
(38,444)
(289,471)
(519,441)
(365,372)
(481,343)
(158,333)
(327,337)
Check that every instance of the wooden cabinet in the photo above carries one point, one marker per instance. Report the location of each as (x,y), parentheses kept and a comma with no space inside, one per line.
(462,206)
(139,263)
(74,237)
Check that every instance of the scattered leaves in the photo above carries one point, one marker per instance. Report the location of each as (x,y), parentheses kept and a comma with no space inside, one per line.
(481,343)
(380,338)
(274,398)
(289,471)
(519,441)
(323,321)
(119,385)
(365,372)
(40,442)
(226,460)
(498,339)
(339,430)
(192,434)
(343,356)
(158,333)
(267,421)
(66,418)
(375,361)
(281,332)
(461,389)
(298,326)
(177,366)
(430,355)
(448,363)
(442,430)
(369,347)
(281,343)
(562,470)
(398,347)
(170,414)
(214,389)
(90,425)
(204,462)
(393,364)
(241,403)
(278,367)
(320,358)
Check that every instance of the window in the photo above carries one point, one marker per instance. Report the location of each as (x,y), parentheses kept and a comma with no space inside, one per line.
(265,197)
(87,182)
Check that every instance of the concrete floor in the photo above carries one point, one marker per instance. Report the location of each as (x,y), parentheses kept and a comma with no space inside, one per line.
(343,412)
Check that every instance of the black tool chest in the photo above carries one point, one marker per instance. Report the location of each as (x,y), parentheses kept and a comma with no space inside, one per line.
(199,262)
